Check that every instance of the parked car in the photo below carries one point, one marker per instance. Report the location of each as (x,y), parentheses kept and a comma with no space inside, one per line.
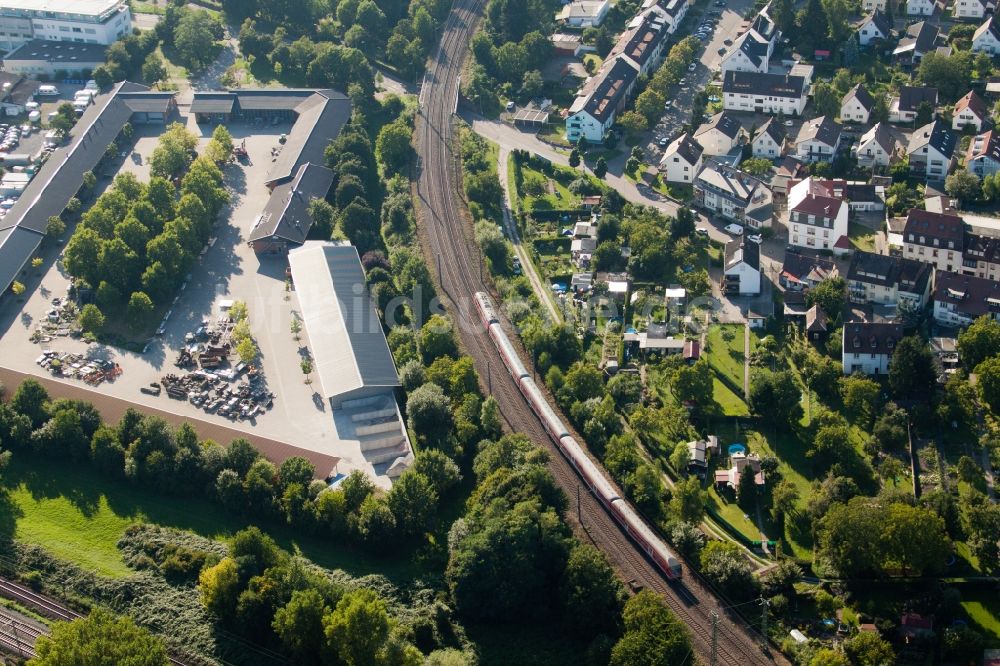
(692,67)
(701,231)
(511,106)
(733,229)
(755,238)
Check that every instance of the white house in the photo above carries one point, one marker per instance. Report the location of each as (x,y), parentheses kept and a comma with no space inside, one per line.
(91,22)
(764,93)
(932,150)
(721,134)
(818,140)
(867,347)
(986,39)
(747,54)
(675,10)
(971,9)
(769,141)
(742,274)
(983,156)
(959,300)
(596,106)
(817,218)
(877,147)
(734,194)
(644,40)
(936,238)
(681,160)
(857,105)
(877,25)
(904,107)
(971,110)
(920,7)
(584,13)
(872,5)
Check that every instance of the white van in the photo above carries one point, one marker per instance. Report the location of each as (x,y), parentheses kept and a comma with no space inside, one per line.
(733,229)
(47,91)
(84,96)
(91,85)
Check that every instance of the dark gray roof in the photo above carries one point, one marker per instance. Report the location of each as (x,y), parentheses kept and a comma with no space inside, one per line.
(286,214)
(17,246)
(822,129)
(213,102)
(22,89)
(320,119)
(639,43)
(972,296)
(271,99)
(881,21)
(687,148)
(881,133)
(911,97)
(754,50)
(725,122)
(936,134)
(69,54)
(148,102)
(773,129)
(738,250)
(610,89)
(860,93)
(774,85)
(907,275)
(861,337)
(802,266)
(61,176)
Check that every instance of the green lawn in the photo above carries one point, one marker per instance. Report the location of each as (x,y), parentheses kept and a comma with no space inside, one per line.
(78,515)
(726,356)
(983,610)
(730,403)
(733,515)
(794,466)
(862,237)
(544,192)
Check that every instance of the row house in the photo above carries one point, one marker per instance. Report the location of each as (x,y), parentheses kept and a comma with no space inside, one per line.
(867,347)
(764,93)
(818,140)
(959,299)
(734,194)
(887,280)
(931,150)
(644,40)
(817,219)
(936,238)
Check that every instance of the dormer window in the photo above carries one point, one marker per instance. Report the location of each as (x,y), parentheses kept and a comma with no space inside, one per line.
(873,341)
(857,342)
(890,343)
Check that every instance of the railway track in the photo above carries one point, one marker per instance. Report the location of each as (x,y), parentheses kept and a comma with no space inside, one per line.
(448,244)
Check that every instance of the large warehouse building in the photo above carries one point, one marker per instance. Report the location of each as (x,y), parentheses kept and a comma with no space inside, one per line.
(357,373)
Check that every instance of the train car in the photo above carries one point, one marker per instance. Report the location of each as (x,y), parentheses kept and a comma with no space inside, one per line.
(597,482)
(509,355)
(487,313)
(553,424)
(641,533)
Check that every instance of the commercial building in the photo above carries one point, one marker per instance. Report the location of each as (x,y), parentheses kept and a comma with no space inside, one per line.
(79,21)
(285,221)
(42,59)
(351,356)
(60,178)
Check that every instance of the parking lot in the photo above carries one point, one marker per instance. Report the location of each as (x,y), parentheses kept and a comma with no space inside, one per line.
(228,270)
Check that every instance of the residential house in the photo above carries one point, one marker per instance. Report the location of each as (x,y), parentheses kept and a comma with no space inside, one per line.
(981,256)
(721,134)
(867,347)
(747,54)
(817,219)
(804,270)
(699,450)
(972,9)
(741,463)
(959,299)
(946,355)
(903,108)
(742,270)
(869,6)
(920,7)
(877,147)
(584,13)
(971,110)
(764,93)
(913,626)
(734,194)
(918,40)
(681,160)
(936,238)
(876,26)
(596,106)
(983,156)
(769,141)
(886,280)
(818,140)
(986,39)
(857,105)
(817,322)
(932,150)
(643,41)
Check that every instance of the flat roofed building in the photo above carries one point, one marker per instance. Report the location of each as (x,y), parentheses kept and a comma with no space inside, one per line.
(39,57)
(80,21)
(352,357)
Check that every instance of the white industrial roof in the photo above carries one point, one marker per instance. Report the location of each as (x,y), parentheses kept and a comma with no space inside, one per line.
(349,348)
(82,7)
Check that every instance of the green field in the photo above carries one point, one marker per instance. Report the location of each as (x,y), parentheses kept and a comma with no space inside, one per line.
(78,516)
(726,356)
(733,515)
(862,237)
(984,611)
(730,403)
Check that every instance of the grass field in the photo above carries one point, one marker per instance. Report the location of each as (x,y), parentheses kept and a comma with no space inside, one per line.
(730,403)
(733,515)
(79,516)
(983,610)
(861,237)
(726,356)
